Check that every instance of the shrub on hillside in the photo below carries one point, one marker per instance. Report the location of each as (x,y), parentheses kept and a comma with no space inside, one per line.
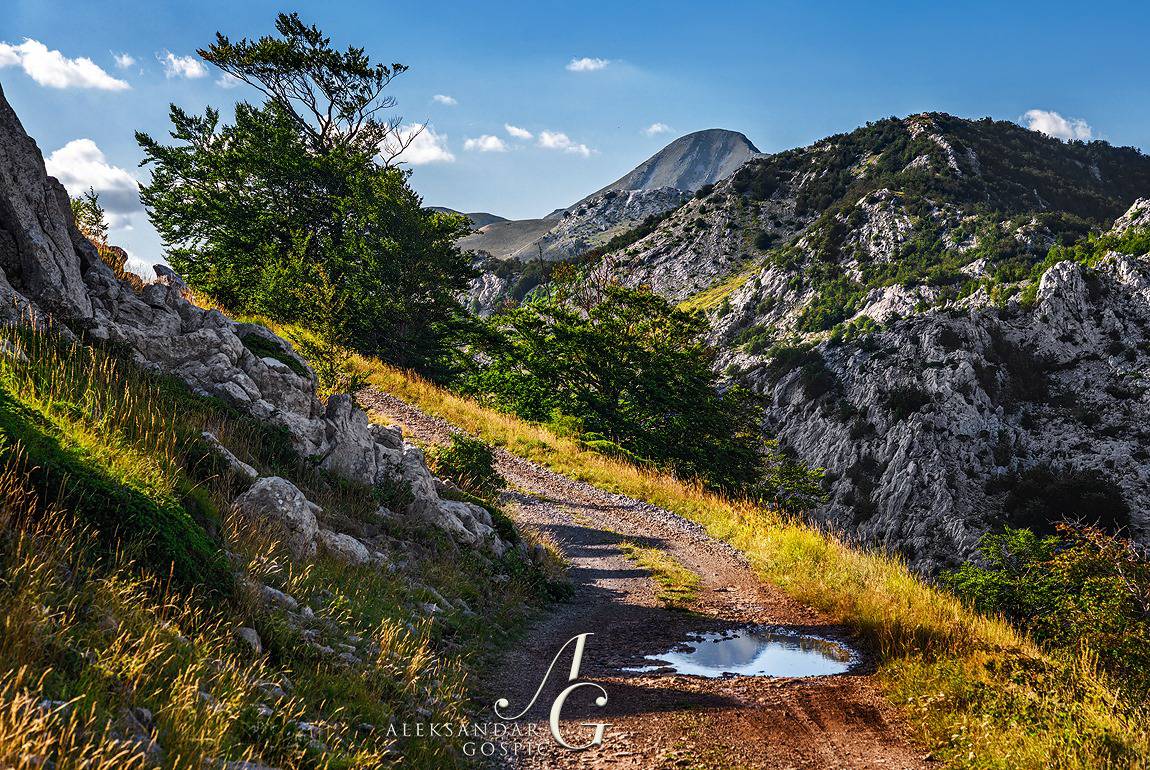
(1041,497)
(905,401)
(1079,588)
(633,371)
(469,463)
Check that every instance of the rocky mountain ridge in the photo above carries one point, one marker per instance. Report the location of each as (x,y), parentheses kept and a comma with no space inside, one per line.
(889,292)
(658,185)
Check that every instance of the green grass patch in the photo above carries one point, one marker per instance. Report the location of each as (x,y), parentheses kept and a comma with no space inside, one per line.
(264,348)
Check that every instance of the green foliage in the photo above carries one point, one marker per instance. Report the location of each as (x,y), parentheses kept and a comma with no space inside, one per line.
(123,509)
(787,483)
(287,203)
(905,401)
(1041,497)
(853,330)
(1079,588)
(469,463)
(89,216)
(636,374)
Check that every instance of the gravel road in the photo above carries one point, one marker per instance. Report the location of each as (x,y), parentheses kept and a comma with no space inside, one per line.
(664,720)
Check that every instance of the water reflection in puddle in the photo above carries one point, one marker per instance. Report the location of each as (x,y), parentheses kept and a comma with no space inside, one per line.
(754,652)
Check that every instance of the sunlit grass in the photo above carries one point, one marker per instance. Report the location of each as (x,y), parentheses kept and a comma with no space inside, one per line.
(90,629)
(678,586)
(711,298)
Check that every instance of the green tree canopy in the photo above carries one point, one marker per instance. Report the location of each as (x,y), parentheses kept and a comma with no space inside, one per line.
(632,371)
(292,201)
(89,216)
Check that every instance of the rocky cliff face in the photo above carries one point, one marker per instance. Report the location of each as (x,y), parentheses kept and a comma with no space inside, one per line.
(51,272)
(885,289)
(923,424)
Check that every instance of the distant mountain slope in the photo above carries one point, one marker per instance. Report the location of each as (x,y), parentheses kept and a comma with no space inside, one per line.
(655,186)
(507,238)
(688,163)
(478,218)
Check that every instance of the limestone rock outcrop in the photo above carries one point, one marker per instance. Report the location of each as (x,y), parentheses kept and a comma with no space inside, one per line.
(282,511)
(49,270)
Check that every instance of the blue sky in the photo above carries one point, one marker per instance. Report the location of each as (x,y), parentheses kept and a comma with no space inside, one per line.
(785,74)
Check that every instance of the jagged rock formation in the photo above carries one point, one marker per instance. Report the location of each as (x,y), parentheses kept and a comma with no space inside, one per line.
(50,270)
(922,424)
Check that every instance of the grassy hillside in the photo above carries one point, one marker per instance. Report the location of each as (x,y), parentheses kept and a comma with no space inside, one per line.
(976,691)
(124,581)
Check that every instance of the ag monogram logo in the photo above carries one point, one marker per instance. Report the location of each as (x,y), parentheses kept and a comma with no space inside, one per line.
(557,706)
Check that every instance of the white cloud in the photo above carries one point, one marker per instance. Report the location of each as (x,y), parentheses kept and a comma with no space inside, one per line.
(517,132)
(54,70)
(426,146)
(1053,124)
(485,143)
(587,64)
(657,128)
(124,60)
(557,140)
(450,101)
(181,66)
(228,81)
(139,266)
(81,164)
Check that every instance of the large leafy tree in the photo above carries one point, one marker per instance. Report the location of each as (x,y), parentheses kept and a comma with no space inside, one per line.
(297,209)
(628,369)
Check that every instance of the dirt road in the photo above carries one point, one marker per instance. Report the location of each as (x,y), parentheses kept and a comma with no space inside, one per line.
(662,720)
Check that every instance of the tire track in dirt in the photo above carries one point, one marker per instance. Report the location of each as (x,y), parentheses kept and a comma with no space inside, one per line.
(665,720)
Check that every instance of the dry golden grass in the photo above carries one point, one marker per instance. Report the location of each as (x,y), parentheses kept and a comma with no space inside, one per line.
(976,691)
(92,627)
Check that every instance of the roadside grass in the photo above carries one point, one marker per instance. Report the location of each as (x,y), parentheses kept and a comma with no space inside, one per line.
(679,586)
(977,692)
(123,580)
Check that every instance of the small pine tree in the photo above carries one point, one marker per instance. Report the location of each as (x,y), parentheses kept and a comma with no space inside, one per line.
(90,217)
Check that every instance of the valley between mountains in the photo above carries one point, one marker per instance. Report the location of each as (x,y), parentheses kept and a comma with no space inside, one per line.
(666,720)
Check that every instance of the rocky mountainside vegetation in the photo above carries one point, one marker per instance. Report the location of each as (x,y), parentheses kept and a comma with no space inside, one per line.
(934,308)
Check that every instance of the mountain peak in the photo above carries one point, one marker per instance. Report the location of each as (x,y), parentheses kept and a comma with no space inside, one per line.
(689,162)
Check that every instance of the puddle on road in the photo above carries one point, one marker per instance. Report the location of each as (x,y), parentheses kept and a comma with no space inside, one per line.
(753,652)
